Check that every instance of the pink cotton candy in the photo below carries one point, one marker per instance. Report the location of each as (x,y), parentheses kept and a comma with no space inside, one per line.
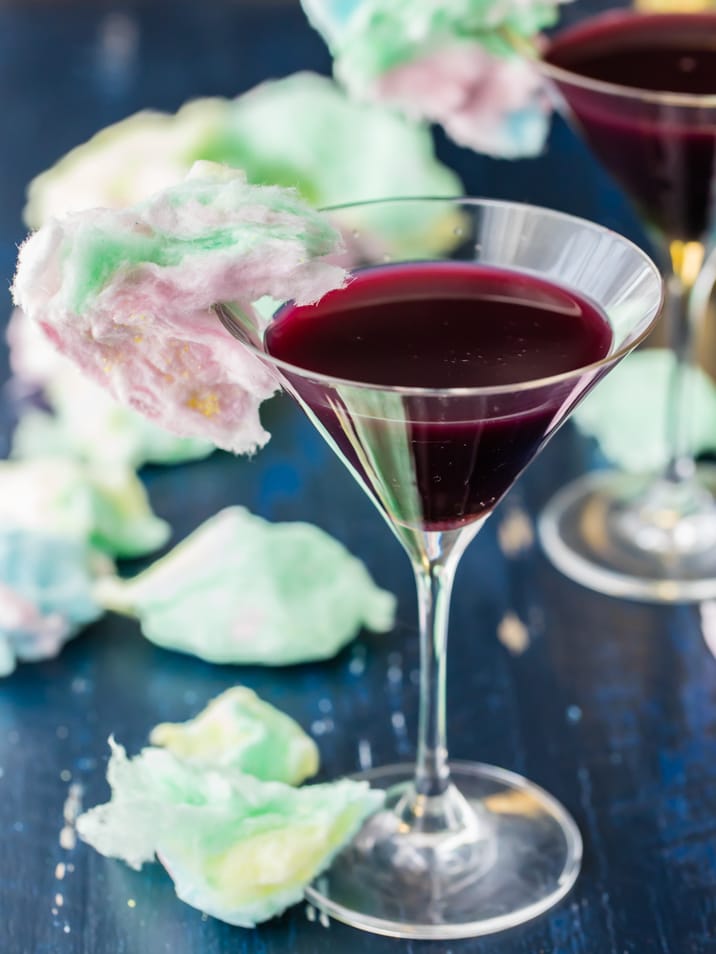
(147,331)
(38,635)
(492,104)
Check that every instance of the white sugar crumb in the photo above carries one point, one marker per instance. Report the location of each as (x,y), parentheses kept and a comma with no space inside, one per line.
(70,811)
(365,754)
(322,726)
(68,838)
(395,668)
(513,634)
(356,666)
(515,532)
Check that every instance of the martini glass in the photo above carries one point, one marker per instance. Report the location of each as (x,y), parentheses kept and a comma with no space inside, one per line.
(647,536)
(466,334)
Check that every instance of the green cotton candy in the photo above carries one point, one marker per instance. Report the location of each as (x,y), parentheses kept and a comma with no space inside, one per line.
(237,848)
(123,523)
(125,162)
(45,593)
(301,131)
(305,132)
(107,433)
(212,210)
(371,37)
(103,507)
(627,413)
(243,590)
(240,731)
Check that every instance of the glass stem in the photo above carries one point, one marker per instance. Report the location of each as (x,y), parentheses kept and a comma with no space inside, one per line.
(433,804)
(434,583)
(686,261)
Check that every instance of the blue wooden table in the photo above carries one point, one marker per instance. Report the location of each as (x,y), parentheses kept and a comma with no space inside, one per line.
(611,706)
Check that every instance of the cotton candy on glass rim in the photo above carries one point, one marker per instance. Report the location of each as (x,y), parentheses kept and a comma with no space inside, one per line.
(127,295)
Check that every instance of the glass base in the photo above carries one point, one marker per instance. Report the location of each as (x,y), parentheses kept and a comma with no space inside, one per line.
(632,537)
(519,855)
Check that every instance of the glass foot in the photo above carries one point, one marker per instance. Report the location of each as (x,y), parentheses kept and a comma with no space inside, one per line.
(518,856)
(627,536)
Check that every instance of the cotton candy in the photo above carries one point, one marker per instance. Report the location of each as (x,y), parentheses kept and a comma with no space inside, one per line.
(454,62)
(238,730)
(242,590)
(492,104)
(303,130)
(127,294)
(83,420)
(45,594)
(107,509)
(127,161)
(300,131)
(626,412)
(237,848)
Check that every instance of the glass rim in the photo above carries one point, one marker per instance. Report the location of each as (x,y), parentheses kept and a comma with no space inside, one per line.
(655,97)
(225,314)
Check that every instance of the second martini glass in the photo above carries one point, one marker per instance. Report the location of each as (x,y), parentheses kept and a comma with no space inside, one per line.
(641,88)
(466,334)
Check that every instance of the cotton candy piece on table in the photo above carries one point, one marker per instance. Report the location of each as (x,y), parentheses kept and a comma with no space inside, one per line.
(300,131)
(84,421)
(303,130)
(123,522)
(237,848)
(238,730)
(108,509)
(127,161)
(454,62)
(626,412)
(127,294)
(242,590)
(45,594)
(90,425)
(307,132)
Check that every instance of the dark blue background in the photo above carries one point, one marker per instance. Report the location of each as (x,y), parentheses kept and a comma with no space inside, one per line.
(612,707)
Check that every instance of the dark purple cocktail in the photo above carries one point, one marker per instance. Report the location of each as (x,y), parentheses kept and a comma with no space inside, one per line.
(641,89)
(662,155)
(445,325)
